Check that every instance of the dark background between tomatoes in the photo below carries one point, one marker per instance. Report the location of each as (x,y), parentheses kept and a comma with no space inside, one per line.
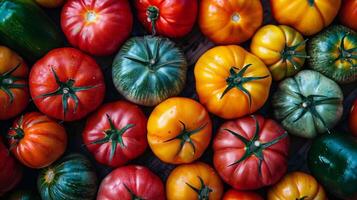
(298,146)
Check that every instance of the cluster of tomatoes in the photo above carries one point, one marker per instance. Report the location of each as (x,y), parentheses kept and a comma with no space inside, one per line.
(250,151)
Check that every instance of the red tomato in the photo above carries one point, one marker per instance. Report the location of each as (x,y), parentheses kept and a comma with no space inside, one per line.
(98,27)
(66,84)
(353,118)
(116,133)
(171,18)
(348,13)
(131,182)
(238,195)
(251,152)
(10,170)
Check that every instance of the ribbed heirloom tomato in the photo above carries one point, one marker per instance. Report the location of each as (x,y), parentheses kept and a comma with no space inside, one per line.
(131,182)
(299,186)
(170,18)
(196,181)
(116,133)
(307,16)
(14,94)
(231,82)
(179,130)
(241,195)
(66,84)
(230,21)
(98,27)
(36,140)
(348,13)
(251,152)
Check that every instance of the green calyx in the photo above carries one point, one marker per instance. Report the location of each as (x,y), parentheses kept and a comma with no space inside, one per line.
(237,79)
(152,14)
(185,136)
(346,55)
(7,82)
(302,198)
(19,132)
(132,194)
(114,135)
(311,2)
(254,146)
(67,90)
(203,191)
(289,53)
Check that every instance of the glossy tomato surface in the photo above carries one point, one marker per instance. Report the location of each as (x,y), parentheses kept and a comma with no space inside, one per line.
(98,27)
(251,152)
(241,195)
(131,182)
(59,87)
(353,118)
(116,133)
(348,13)
(36,140)
(170,18)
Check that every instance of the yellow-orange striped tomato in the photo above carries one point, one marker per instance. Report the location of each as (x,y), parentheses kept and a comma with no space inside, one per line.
(231,82)
(281,48)
(179,130)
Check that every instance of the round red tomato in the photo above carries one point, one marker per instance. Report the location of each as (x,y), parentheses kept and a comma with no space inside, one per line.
(353,118)
(348,13)
(98,27)
(116,133)
(10,170)
(66,84)
(131,182)
(251,152)
(240,195)
(171,18)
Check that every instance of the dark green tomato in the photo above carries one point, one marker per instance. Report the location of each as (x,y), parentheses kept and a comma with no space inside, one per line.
(71,178)
(23,195)
(332,160)
(333,52)
(25,28)
(148,70)
(308,103)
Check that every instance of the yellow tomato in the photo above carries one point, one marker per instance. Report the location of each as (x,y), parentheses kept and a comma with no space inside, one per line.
(230,21)
(307,16)
(297,185)
(231,82)
(281,48)
(50,3)
(179,130)
(194,181)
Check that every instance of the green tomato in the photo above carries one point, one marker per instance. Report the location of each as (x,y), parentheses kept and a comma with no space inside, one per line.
(308,103)
(148,70)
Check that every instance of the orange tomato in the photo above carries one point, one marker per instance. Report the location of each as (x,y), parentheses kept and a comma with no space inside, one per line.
(230,21)
(194,181)
(297,185)
(281,48)
(179,130)
(240,195)
(348,13)
(307,16)
(231,82)
(50,3)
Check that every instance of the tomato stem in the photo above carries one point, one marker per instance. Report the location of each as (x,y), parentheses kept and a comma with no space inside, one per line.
(132,194)
(203,191)
(311,2)
(153,14)
(346,54)
(7,82)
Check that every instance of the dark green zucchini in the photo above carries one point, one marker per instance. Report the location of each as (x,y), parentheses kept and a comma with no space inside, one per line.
(25,28)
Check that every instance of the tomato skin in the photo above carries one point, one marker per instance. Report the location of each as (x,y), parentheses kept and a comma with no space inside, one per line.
(98,27)
(50,3)
(213,74)
(229,149)
(175,17)
(138,180)
(348,13)
(122,114)
(307,16)
(169,120)
(297,185)
(177,184)
(240,195)
(69,64)
(10,170)
(37,140)
(10,107)
(231,21)
(353,119)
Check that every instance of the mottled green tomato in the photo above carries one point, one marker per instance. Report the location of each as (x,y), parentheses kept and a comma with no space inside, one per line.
(148,70)
(308,103)
(333,52)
